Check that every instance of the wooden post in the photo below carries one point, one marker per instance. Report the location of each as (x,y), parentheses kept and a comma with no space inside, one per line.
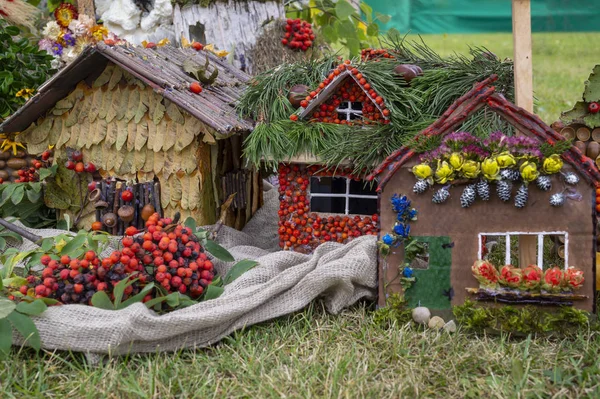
(521,20)
(87,7)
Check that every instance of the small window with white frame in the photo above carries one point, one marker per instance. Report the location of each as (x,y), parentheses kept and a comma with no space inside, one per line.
(349,110)
(342,195)
(503,248)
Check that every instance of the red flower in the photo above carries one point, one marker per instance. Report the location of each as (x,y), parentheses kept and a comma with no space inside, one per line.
(510,276)
(553,279)
(573,278)
(532,277)
(485,273)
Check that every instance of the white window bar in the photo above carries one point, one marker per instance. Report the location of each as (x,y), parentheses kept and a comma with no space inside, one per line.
(346,195)
(540,244)
(348,111)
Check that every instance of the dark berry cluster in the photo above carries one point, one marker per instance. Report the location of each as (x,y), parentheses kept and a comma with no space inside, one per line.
(298,35)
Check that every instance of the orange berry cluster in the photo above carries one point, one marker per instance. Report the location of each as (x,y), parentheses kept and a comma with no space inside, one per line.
(298,35)
(374,54)
(169,254)
(30,174)
(302,231)
(75,163)
(351,91)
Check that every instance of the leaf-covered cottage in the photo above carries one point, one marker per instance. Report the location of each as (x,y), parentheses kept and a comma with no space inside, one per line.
(324,124)
(131,113)
(458,213)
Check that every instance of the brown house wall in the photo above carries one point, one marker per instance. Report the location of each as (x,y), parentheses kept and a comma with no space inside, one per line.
(463,225)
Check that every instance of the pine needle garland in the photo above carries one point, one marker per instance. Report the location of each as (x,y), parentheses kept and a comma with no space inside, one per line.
(412,107)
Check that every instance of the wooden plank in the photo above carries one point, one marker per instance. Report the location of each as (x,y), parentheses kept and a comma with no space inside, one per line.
(87,7)
(521,19)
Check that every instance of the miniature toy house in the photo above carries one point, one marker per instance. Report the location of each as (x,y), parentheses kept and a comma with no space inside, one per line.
(130,111)
(339,205)
(458,230)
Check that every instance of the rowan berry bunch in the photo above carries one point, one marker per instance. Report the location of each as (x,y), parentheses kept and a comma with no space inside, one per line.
(374,54)
(298,35)
(75,162)
(30,174)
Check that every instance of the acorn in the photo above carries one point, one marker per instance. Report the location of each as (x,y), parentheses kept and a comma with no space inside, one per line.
(94,195)
(100,204)
(147,211)
(126,213)
(109,219)
(408,71)
(298,93)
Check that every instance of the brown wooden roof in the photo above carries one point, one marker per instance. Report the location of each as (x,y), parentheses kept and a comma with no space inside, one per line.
(162,69)
(484,95)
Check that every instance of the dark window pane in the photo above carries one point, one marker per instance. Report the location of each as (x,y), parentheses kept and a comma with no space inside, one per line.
(344,105)
(363,206)
(357,106)
(328,205)
(341,117)
(363,187)
(328,185)
(354,116)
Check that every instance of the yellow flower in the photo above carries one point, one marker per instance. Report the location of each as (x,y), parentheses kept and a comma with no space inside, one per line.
(163,42)
(185,43)
(490,168)
(471,169)
(218,53)
(64,14)
(529,171)
(444,172)
(98,32)
(422,171)
(505,160)
(552,164)
(25,93)
(8,144)
(456,160)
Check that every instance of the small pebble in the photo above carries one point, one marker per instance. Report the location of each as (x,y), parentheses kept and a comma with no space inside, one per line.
(450,326)
(421,315)
(436,322)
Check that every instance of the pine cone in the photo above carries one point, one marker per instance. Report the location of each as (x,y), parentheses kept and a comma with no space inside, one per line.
(504,190)
(521,197)
(483,190)
(468,196)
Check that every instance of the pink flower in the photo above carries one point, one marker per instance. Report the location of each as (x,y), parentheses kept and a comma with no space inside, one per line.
(510,276)
(532,277)
(553,280)
(573,278)
(485,273)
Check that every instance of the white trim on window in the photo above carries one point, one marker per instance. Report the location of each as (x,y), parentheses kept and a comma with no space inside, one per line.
(346,195)
(540,245)
(348,111)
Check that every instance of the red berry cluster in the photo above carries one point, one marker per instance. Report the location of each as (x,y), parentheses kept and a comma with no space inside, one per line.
(373,54)
(349,91)
(75,163)
(178,260)
(169,254)
(298,35)
(29,174)
(302,231)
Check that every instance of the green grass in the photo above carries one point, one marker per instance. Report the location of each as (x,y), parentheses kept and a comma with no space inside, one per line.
(561,63)
(312,354)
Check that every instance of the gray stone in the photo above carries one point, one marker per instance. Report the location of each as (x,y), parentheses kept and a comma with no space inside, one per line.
(421,315)
(436,322)
(450,326)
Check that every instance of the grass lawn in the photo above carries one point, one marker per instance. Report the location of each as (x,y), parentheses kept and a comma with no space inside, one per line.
(312,354)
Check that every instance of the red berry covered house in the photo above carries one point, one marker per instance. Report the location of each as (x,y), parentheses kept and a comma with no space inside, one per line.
(320,204)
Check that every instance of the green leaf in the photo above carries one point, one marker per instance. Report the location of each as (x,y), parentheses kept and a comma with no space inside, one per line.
(373,30)
(191,223)
(347,30)
(2,244)
(353,46)
(137,298)
(25,326)
(173,299)
(47,244)
(12,30)
(155,301)
(37,187)
(218,251)
(383,18)
(329,34)
(7,193)
(367,10)
(18,195)
(212,292)
(74,244)
(238,269)
(14,282)
(343,9)
(120,290)
(47,172)
(5,337)
(6,307)
(34,308)
(202,234)
(101,300)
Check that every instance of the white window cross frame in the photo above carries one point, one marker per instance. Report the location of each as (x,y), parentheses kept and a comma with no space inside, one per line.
(346,195)
(348,111)
(540,244)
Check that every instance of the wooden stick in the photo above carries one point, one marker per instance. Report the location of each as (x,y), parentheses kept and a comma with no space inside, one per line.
(521,21)
(21,231)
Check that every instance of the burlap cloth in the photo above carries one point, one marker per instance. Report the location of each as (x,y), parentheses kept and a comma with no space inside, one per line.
(284,282)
